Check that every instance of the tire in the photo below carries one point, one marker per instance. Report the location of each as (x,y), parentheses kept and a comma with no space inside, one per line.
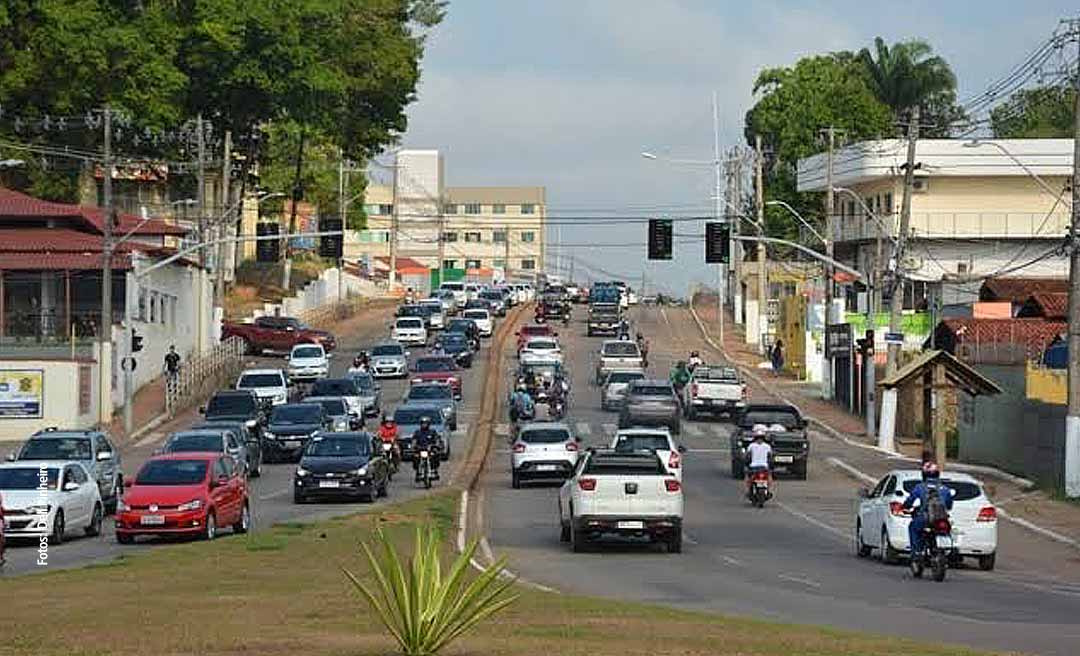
(676,428)
(118,491)
(940,565)
(916,566)
(861,550)
(674,543)
(57,536)
(799,471)
(257,472)
(95,521)
(124,538)
(737,471)
(384,489)
(577,540)
(515,480)
(248,348)
(564,528)
(210,529)
(986,563)
(889,556)
(243,523)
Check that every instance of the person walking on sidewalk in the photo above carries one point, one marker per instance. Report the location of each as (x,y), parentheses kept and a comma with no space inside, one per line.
(776,355)
(172,365)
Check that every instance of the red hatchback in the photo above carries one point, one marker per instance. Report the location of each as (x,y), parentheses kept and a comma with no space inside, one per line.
(438,369)
(528,332)
(184,494)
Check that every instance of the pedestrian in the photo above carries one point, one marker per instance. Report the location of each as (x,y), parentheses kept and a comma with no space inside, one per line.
(172,364)
(777,355)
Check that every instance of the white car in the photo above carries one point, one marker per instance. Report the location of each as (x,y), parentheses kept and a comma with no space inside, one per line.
(546,347)
(616,383)
(482,319)
(49,498)
(657,440)
(543,450)
(308,362)
(472,290)
(268,384)
(438,313)
(409,330)
(458,289)
(882,523)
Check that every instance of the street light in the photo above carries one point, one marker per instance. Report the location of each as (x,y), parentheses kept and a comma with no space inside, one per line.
(789,208)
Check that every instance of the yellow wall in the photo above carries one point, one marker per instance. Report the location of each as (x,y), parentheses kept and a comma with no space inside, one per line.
(986,194)
(792,329)
(60,396)
(1047,385)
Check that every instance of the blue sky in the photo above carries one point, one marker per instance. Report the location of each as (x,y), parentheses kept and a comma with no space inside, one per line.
(567,93)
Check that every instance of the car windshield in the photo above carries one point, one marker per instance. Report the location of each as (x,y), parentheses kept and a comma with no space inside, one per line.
(651,442)
(364,381)
(27,478)
(427,365)
(410,323)
(188,442)
(962,490)
(451,286)
(333,387)
(453,339)
(307,413)
(621,349)
(56,448)
(786,418)
(545,370)
(231,404)
(333,407)
(625,377)
(495,296)
(624,465)
(172,472)
(387,350)
(542,345)
(429,392)
(535,330)
(651,390)
(544,436)
(460,325)
(337,447)
(409,416)
(476,314)
(308,352)
(253,381)
(726,374)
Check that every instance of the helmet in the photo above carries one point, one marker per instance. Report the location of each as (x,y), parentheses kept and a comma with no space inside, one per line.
(930,471)
(694,354)
(386,419)
(425,422)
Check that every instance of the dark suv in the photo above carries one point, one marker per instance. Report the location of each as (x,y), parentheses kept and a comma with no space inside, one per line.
(237,405)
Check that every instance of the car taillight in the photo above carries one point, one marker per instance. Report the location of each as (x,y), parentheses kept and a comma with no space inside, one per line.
(987,514)
(571,446)
(587,484)
(672,485)
(896,509)
(417,380)
(674,460)
(519,448)
(693,390)
(760,476)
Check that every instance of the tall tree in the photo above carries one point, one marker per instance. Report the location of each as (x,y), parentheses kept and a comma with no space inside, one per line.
(909,74)
(1041,113)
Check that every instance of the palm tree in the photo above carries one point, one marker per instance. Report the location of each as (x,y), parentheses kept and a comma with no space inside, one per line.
(906,75)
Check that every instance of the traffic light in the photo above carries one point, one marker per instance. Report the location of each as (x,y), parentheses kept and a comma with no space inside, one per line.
(331,246)
(136,341)
(267,250)
(660,239)
(717,242)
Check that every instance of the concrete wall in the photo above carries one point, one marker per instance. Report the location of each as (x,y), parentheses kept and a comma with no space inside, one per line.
(319,292)
(70,395)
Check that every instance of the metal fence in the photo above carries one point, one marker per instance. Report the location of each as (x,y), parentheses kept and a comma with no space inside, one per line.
(201,376)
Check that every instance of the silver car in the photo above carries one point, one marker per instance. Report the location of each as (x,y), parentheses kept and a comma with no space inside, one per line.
(437,394)
(91,448)
(370,392)
(543,450)
(337,411)
(651,403)
(215,440)
(613,389)
(389,360)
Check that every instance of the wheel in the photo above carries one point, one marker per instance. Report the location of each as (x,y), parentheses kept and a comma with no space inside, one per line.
(676,428)
(986,563)
(916,565)
(57,536)
(257,472)
(737,470)
(674,543)
(889,556)
(799,471)
(384,489)
(118,491)
(210,529)
(515,480)
(940,566)
(249,349)
(453,426)
(125,538)
(564,528)
(861,550)
(577,540)
(243,524)
(95,521)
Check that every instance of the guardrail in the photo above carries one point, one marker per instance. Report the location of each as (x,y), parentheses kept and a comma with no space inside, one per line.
(202,375)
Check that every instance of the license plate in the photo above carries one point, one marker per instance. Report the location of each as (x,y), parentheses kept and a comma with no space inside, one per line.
(944,542)
(292,444)
(329,484)
(631,525)
(152,520)
(546,468)
(785,458)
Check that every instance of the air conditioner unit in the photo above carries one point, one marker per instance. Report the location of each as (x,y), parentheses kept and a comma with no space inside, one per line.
(920,185)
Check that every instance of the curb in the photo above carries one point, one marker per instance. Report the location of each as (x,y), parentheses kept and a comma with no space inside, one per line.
(147,427)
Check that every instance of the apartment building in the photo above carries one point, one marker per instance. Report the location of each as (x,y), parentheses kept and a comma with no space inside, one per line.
(497,228)
(979,208)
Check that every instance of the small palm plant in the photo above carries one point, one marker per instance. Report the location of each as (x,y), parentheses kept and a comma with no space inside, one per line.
(423,609)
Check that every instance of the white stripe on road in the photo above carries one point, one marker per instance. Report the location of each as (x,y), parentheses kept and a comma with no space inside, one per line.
(796,579)
(584,429)
(731,561)
(609,428)
(273,495)
(816,522)
(462,428)
(720,431)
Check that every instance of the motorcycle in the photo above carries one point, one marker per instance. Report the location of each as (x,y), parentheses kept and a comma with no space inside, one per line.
(937,545)
(393,455)
(759,492)
(540,318)
(557,410)
(423,468)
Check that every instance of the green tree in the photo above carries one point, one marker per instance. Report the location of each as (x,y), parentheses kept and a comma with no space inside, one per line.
(907,75)
(1041,113)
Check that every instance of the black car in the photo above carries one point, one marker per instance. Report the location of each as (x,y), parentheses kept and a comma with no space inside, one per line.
(291,427)
(458,346)
(249,437)
(237,405)
(341,465)
(785,431)
(467,327)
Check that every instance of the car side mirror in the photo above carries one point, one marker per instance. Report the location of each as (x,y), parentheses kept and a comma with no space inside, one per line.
(681,448)
(104,455)
(71,486)
(864,492)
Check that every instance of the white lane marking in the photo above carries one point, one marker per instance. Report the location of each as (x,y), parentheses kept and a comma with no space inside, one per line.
(731,561)
(816,522)
(796,579)
(689,540)
(149,439)
(502,429)
(584,429)
(840,464)
(692,430)
(462,429)
(697,450)
(272,495)
(609,428)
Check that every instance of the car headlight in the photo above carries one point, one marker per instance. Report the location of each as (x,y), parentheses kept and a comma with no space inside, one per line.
(361,472)
(280,398)
(38,510)
(341,424)
(300,471)
(194,504)
(268,434)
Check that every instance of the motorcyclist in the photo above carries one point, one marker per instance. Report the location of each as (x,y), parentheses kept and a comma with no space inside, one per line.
(694,361)
(931,483)
(388,433)
(557,393)
(426,439)
(521,404)
(759,458)
(361,361)
(643,346)
(624,329)
(680,376)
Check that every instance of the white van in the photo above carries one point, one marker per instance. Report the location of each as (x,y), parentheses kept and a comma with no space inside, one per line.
(458,288)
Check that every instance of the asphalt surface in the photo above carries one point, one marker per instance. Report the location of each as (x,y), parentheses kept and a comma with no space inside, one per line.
(791,561)
(271,494)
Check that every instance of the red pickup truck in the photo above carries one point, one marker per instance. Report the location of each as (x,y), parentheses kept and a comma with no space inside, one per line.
(438,369)
(277,334)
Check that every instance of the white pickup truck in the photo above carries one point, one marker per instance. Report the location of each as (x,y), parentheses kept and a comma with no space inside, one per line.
(617,354)
(714,390)
(621,494)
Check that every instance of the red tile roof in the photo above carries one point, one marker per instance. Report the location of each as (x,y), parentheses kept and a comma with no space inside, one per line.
(1019,290)
(44,249)
(58,262)
(1047,305)
(15,205)
(1030,335)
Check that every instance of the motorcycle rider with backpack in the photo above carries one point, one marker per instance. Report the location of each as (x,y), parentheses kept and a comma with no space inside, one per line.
(935,501)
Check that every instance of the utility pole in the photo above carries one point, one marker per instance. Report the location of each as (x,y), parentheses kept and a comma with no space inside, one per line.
(219,269)
(200,290)
(721,269)
(763,281)
(506,254)
(442,239)
(896,303)
(1072,417)
(105,362)
(391,276)
(830,208)
(737,250)
(342,210)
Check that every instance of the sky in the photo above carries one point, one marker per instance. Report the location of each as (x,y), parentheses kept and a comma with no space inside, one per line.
(566,94)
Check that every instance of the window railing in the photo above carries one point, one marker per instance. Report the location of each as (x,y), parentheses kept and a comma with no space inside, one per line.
(1000,225)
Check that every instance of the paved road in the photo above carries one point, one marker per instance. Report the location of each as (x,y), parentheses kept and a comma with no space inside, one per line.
(271,494)
(790,561)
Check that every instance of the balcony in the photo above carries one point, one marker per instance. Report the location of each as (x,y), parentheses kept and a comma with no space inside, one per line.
(960,225)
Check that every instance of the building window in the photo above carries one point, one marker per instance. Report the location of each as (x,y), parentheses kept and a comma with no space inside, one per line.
(449,264)
(449,236)
(450,209)
(498,236)
(386,209)
(472,208)
(499,263)
(851,208)
(374,236)
(498,208)
(528,265)
(472,237)
(371,209)
(888,203)
(528,208)
(528,237)
(472,264)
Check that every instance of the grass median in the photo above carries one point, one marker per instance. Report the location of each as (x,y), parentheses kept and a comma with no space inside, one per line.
(281,591)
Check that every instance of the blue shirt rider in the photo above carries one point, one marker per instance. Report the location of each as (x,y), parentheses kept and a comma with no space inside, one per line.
(931,478)
(521,404)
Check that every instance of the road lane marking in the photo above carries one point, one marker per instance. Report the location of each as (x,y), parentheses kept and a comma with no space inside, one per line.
(697,450)
(584,429)
(731,561)
(462,429)
(796,579)
(689,540)
(272,495)
(816,522)
(840,464)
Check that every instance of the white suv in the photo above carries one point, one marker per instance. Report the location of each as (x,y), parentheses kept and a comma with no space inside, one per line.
(882,522)
(482,319)
(268,384)
(657,440)
(409,330)
(543,451)
(308,362)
